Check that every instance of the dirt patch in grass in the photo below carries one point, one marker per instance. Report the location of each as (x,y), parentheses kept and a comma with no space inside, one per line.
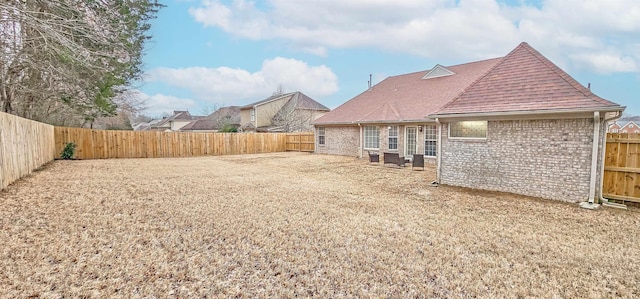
(288,224)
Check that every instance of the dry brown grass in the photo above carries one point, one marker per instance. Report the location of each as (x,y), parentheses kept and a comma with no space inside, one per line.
(285,225)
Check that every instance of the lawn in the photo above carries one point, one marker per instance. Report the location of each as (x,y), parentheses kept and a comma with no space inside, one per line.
(291,224)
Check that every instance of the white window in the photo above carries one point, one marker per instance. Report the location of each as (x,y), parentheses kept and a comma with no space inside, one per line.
(321,138)
(253,114)
(393,138)
(630,126)
(371,137)
(430,140)
(468,129)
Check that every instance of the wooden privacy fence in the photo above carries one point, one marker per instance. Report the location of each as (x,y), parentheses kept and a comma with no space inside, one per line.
(101,144)
(622,167)
(25,145)
(301,142)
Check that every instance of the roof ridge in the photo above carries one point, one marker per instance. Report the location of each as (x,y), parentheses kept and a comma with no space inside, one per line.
(373,110)
(470,62)
(564,75)
(502,59)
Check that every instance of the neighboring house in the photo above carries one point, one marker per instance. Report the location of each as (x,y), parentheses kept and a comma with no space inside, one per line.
(614,128)
(200,125)
(515,124)
(291,112)
(175,122)
(225,118)
(629,127)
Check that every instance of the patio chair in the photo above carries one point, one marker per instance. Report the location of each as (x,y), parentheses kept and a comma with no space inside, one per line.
(373,157)
(418,161)
(393,158)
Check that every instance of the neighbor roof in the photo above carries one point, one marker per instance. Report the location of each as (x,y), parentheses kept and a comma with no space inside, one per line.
(232,112)
(407,97)
(300,100)
(524,80)
(200,125)
(177,115)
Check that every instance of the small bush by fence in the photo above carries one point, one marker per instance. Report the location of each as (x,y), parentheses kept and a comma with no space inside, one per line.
(25,145)
(101,144)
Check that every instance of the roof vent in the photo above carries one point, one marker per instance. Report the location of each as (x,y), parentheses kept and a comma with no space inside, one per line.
(438,71)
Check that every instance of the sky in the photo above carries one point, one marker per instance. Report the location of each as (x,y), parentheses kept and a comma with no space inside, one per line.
(211,53)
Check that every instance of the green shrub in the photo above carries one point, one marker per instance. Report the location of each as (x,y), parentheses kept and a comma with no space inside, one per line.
(228,129)
(68,151)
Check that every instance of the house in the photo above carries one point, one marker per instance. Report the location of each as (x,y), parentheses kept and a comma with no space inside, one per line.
(224,119)
(629,127)
(291,112)
(614,128)
(175,122)
(514,124)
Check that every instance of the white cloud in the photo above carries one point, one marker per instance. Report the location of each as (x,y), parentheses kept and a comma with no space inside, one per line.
(237,86)
(606,63)
(159,104)
(567,31)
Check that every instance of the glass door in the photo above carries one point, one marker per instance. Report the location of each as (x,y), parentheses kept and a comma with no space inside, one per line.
(410,141)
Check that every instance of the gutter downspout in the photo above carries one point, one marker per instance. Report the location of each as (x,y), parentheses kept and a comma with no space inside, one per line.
(360,146)
(594,163)
(439,151)
(604,151)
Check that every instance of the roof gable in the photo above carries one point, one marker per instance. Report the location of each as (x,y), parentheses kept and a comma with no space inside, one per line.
(438,71)
(630,124)
(524,80)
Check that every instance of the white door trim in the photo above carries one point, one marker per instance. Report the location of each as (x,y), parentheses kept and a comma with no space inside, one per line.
(406,141)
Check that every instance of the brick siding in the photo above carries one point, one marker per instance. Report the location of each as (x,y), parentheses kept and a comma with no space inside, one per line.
(543,158)
(344,141)
(341,141)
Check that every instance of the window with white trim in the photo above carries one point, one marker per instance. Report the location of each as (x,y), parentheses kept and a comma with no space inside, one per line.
(430,140)
(253,114)
(393,137)
(321,134)
(371,137)
(468,129)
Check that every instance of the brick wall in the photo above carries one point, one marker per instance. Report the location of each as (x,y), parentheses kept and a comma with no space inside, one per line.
(344,141)
(340,141)
(544,158)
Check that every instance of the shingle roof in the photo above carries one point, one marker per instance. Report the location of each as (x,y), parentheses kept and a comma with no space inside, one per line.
(524,80)
(230,112)
(181,115)
(407,97)
(301,101)
(269,99)
(200,125)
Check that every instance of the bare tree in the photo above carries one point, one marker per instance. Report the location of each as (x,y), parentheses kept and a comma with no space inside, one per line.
(279,90)
(66,61)
(290,119)
(208,109)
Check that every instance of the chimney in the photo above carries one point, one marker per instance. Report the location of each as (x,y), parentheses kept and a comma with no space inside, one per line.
(369,81)
(589,85)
